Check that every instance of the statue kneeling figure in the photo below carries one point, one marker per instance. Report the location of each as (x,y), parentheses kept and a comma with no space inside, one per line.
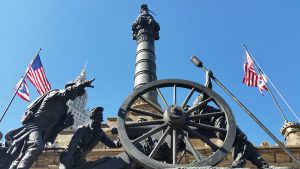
(84,140)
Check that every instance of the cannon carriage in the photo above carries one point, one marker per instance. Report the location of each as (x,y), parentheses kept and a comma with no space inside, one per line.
(171,124)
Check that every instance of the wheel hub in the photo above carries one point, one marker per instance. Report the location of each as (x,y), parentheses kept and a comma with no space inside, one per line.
(174,116)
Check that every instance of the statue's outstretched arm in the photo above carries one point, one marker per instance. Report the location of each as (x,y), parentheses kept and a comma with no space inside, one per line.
(107,141)
(77,89)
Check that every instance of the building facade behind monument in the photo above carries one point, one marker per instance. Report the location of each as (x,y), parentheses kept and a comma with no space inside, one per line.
(78,108)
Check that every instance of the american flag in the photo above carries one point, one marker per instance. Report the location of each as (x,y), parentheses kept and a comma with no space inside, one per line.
(251,78)
(36,75)
(23,91)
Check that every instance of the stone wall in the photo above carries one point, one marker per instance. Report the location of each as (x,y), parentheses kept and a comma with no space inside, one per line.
(274,155)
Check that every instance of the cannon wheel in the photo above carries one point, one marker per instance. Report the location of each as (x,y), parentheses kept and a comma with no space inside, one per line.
(174,120)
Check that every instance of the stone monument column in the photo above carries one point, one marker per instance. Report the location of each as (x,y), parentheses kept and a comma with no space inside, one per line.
(145,30)
(291,133)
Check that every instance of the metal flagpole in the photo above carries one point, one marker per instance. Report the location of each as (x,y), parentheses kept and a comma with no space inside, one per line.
(198,63)
(259,68)
(281,96)
(269,89)
(5,111)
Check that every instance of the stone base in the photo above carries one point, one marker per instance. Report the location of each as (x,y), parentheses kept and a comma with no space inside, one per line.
(273,155)
(208,167)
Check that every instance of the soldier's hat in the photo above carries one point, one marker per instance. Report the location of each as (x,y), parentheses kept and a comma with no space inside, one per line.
(97,114)
(69,84)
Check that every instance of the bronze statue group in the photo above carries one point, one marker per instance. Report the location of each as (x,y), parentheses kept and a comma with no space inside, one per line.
(48,115)
(44,119)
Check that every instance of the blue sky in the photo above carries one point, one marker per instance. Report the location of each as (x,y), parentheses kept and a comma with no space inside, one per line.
(71,32)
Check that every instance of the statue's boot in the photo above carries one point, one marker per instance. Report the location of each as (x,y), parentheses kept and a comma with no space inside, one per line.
(239,160)
(238,164)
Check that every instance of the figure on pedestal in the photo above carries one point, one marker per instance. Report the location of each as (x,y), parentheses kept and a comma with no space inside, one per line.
(243,149)
(84,140)
(42,122)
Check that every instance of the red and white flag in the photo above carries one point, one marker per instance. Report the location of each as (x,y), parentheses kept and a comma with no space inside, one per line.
(251,78)
(23,91)
(36,75)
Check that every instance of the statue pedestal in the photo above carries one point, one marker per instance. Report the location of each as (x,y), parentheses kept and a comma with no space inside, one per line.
(208,167)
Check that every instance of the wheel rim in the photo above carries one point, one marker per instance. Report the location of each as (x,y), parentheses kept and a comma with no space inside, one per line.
(174,120)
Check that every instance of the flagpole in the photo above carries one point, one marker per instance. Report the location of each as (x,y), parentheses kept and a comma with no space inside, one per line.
(199,64)
(277,90)
(281,96)
(269,89)
(15,93)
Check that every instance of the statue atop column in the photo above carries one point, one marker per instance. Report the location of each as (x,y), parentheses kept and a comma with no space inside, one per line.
(145,23)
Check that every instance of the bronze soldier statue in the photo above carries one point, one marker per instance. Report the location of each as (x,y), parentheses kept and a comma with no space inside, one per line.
(84,140)
(243,149)
(5,159)
(44,119)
